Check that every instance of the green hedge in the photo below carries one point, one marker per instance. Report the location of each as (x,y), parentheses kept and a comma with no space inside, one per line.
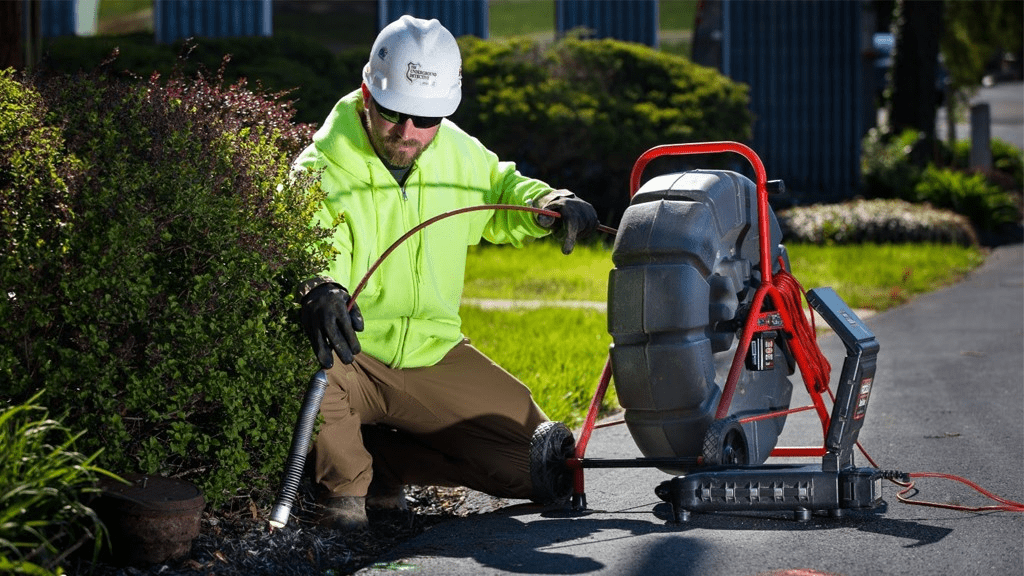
(38,181)
(987,205)
(162,317)
(578,113)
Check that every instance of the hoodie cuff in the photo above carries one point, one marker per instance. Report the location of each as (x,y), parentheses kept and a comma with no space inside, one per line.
(543,220)
(307,286)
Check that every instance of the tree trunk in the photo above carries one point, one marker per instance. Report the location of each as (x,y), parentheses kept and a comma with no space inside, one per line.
(915,93)
(11,55)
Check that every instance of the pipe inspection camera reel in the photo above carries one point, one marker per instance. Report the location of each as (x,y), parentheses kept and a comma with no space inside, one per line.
(707,327)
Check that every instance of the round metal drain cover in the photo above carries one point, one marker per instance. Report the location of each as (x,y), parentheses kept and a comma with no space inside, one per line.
(151,520)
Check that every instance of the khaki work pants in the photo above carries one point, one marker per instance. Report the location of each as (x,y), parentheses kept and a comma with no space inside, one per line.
(462,422)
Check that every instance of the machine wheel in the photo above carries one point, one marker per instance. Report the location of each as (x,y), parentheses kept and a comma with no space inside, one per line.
(725,444)
(552,444)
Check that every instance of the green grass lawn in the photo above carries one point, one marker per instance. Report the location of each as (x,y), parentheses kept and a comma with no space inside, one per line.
(559,352)
(521,18)
(121,8)
(536,19)
(880,276)
(538,272)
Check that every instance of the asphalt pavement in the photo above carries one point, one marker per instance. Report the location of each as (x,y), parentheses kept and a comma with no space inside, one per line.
(948,398)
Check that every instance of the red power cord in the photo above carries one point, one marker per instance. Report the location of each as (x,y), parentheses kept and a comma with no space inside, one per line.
(1007,505)
(909,486)
(790,293)
(804,330)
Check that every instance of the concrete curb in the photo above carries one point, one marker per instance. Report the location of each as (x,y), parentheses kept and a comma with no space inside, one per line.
(500,304)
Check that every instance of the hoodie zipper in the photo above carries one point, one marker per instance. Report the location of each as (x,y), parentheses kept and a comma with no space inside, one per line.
(413,249)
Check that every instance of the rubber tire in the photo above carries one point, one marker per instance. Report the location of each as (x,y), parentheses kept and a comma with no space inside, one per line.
(552,444)
(725,444)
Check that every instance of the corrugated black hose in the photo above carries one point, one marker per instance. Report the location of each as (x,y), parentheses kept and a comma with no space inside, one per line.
(300,446)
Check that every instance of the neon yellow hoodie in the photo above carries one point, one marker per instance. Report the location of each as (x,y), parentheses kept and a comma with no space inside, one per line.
(411,303)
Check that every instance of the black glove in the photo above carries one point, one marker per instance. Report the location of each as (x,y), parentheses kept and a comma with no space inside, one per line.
(579,220)
(330,325)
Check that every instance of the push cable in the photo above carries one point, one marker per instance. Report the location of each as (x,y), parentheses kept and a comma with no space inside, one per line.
(450,213)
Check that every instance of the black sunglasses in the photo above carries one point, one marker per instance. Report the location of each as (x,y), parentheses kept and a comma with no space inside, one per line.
(400,118)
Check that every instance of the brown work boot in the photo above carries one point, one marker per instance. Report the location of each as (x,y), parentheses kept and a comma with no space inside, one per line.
(386,499)
(347,513)
(388,506)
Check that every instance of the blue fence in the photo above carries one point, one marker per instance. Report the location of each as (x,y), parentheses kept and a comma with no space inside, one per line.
(803,62)
(629,20)
(56,18)
(460,17)
(176,19)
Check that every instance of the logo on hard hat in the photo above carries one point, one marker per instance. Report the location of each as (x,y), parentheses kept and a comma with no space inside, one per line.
(417,75)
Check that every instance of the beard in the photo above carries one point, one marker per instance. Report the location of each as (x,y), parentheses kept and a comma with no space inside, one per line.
(392,149)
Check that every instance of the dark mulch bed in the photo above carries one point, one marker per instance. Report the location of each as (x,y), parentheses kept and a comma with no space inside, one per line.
(237,544)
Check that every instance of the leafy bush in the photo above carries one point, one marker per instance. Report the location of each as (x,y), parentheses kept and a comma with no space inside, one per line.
(988,206)
(991,201)
(1007,159)
(173,341)
(37,178)
(886,166)
(577,114)
(314,77)
(881,221)
(44,488)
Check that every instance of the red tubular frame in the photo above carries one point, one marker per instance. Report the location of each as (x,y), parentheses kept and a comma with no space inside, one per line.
(757,321)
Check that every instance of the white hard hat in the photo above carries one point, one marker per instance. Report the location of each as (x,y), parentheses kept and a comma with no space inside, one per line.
(415,68)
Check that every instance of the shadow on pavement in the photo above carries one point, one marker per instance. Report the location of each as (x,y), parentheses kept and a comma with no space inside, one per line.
(560,541)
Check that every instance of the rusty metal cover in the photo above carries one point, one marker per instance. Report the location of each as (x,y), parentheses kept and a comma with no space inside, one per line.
(155,493)
(153,519)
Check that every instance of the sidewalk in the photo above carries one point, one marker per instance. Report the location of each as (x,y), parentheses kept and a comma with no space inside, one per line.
(498,304)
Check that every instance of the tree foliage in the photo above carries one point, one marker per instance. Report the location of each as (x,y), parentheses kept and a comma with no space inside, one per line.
(976,33)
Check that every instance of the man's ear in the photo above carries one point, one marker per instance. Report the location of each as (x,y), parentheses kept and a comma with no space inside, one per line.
(366,96)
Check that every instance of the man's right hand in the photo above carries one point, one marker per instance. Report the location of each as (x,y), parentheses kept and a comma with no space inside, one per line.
(330,325)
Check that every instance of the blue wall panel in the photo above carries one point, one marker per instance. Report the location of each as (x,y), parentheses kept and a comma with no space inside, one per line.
(628,20)
(176,19)
(802,61)
(460,17)
(56,18)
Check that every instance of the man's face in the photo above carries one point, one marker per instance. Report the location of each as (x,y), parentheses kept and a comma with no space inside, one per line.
(399,145)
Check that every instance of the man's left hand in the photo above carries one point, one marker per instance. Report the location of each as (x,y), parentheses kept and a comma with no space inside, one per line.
(578,220)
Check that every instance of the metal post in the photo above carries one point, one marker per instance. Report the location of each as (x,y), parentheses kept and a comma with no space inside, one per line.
(981,135)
